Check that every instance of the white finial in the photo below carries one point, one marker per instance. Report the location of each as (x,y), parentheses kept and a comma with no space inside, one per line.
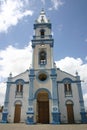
(42,11)
(10,75)
(42,17)
(76,73)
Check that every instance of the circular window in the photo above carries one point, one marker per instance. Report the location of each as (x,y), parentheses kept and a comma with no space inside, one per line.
(42,77)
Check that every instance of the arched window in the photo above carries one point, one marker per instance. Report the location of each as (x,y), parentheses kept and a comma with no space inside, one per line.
(19,89)
(42,58)
(68,89)
(42,33)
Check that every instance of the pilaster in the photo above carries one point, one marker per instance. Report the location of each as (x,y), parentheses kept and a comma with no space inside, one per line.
(55,107)
(81,101)
(5,110)
(30,112)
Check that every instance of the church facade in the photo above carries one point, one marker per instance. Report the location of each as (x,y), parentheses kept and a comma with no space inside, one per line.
(44,93)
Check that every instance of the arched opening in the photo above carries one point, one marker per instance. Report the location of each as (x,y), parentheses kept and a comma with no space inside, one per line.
(70,112)
(42,33)
(43,107)
(42,58)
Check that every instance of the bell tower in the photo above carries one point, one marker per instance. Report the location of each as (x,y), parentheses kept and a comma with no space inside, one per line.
(42,43)
(43,94)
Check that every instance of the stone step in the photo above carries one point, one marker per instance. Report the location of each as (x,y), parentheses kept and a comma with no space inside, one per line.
(20,126)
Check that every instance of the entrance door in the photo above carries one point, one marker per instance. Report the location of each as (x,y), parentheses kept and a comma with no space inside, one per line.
(70,113)
(43,107)
(43,112)
(17,113)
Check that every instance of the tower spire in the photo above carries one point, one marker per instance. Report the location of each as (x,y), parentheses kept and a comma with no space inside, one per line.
(42,17)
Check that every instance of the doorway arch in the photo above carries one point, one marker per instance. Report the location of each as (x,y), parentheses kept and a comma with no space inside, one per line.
(43,107)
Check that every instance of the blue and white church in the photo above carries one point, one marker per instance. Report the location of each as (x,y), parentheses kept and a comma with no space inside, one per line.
(44,93)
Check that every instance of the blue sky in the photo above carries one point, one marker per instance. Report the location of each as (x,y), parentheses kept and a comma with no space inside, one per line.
(69,29)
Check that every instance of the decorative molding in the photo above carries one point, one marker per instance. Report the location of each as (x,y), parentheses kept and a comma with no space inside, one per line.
(31,73)
(56,117)
(53,73)
(69,101)
(18,102)
(20,81)
(40,38)
(41,89)
(42,72)
(68,80)
(83,117)
(44,41)
(14,82)
(40,25)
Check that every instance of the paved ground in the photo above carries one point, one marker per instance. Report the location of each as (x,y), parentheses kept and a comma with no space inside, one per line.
(42,127)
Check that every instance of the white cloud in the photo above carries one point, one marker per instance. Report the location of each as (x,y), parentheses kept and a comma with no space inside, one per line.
(56,4)
(71,65)
(11,12)
(14,60)
(2,92)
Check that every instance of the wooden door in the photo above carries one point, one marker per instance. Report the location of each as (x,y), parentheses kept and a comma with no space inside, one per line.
(43,112)
(70,114)
(17,113)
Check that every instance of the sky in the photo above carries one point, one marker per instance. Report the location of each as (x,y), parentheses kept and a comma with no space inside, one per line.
(69,30)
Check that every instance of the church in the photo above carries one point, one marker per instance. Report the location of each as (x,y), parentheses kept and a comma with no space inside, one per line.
(43,94)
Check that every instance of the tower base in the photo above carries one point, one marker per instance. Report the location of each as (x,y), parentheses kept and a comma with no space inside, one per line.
(56,118)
